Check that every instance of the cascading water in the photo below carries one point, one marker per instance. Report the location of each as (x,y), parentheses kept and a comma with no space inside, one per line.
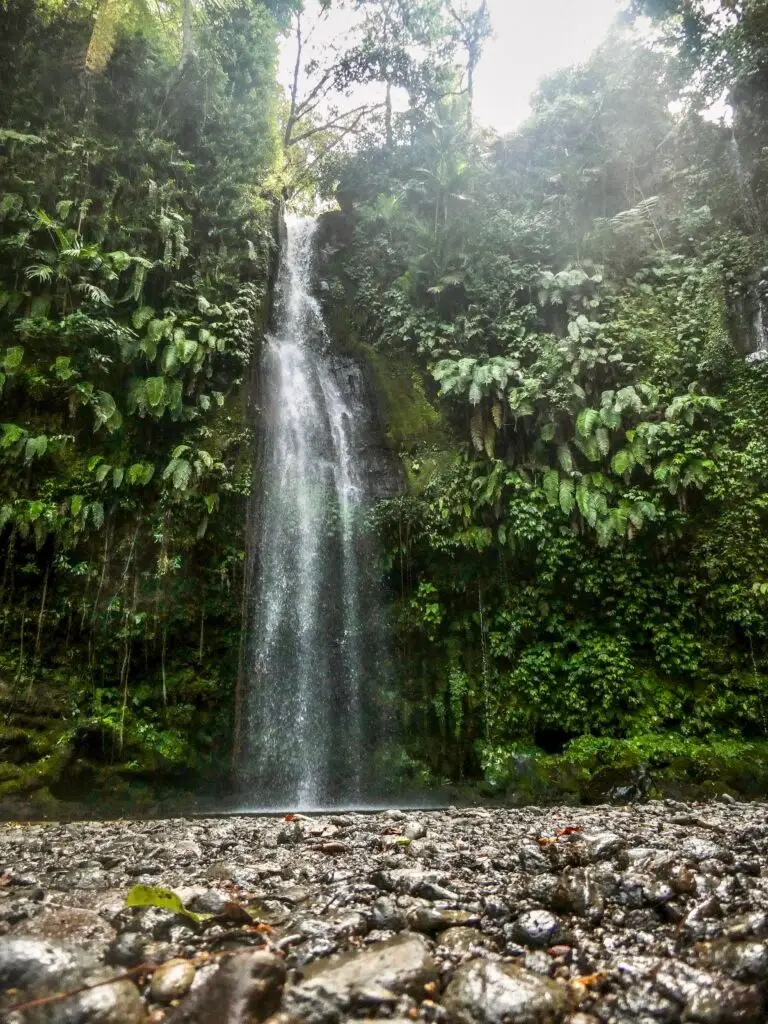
(757,323)
(315,655)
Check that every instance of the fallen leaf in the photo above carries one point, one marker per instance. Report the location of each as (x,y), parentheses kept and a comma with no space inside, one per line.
(156,896)
(590,980)
(330,848)
(569,830)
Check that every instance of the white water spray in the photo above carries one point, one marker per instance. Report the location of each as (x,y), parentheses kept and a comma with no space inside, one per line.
(316,645)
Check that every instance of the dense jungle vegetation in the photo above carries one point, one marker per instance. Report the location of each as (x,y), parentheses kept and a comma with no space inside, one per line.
(565,326)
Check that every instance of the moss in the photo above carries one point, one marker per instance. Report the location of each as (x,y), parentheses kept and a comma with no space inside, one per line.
(593,769)
(19,779)
(410,419)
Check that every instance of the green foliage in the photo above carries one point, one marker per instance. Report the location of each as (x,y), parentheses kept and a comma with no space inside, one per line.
(555,323)
(136,237)
(155,896)
(587,558)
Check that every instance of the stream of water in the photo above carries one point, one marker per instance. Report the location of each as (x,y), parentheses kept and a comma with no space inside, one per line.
(316,649)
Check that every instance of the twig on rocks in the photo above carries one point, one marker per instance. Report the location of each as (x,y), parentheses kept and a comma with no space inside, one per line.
(59,996)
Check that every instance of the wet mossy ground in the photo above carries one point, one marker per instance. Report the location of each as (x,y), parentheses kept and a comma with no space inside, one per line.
(595,770)
(590,770)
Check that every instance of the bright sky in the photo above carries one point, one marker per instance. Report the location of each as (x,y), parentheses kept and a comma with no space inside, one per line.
(531,39)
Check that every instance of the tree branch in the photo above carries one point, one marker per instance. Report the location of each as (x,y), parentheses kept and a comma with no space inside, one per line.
(336,124)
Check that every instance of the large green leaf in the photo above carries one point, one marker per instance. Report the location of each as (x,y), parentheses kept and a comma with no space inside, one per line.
(156,896)
(154,389)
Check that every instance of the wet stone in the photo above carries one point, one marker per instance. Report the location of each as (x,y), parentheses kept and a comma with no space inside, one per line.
(483,992)
(697,849)
(744,961)
(171,980)
(415,830)
(461,940)
(645,921)
(536,928)
(245,988)
(210,902)
(603,845)
(337,986)
(32,969)
(126,950)
(386,916)
(431,919)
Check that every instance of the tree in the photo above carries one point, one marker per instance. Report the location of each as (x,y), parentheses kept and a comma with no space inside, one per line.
(472,27)
(341,92)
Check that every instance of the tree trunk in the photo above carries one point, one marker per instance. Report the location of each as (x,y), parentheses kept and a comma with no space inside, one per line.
(388,116)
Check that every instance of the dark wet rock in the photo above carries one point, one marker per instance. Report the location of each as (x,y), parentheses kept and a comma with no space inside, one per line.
(386,916)
(220,871)
(698,849)
(172,980)
(246,988)
(753,925)
(536,928)
(159,923)
(683,881)
(603,845)
(336,987)
(427,884)
(496,909)
(668,921)
(583,894)
(532,860)
(33,969)
(726,1003)
(29,963)
(483,992)
(158,952)
(209,902)
(432,919)
(744,961)
(349,925)
(126,950)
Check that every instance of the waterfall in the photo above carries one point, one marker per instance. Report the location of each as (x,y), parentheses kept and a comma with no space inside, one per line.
(316,651)
(758,327)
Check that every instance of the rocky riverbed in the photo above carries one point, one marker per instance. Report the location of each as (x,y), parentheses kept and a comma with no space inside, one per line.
(649,913)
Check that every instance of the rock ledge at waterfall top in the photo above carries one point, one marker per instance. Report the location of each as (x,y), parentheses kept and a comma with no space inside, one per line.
(600,915)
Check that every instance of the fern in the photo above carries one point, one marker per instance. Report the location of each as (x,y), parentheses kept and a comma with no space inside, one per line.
(96,295)
(551,486)
(603,441)
(586,421)
(565,458)
(142,316)
(567,496)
